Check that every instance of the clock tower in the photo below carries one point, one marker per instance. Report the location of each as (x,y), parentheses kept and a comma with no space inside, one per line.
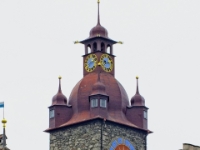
(98,50)
(98,114)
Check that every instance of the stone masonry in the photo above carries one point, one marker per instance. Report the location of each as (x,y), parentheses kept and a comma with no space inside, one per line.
(95,135)
(187,146)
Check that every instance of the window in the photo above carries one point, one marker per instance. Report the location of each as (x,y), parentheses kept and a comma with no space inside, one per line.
(108,49)
(103,103)
(145,114)
(89,49)
(51,114)
(102,47)
(94,47)
(94,103)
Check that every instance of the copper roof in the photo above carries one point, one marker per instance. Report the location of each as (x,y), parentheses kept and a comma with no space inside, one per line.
(59,98)
(137,99)
(98,30)
(117,105)
(99,117)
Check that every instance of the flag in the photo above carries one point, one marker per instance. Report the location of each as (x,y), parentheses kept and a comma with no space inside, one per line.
(1,104)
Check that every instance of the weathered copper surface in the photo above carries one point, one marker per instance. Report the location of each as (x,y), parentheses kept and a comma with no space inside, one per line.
(137,99)
(116,108)
(135,114)
(62,114)
(98,30)
(79,98)
(59,98)
(98,88)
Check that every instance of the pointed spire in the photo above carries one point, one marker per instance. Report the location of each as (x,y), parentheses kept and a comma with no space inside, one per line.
(137,88)
(59,87)
(98,20)
(98,30)
(137,99)
(59,98)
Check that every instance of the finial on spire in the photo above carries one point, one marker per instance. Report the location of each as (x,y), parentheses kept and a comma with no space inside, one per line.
(4,121)
(76,42)
(98,21)
(59,87)
(137,90)
(120,42)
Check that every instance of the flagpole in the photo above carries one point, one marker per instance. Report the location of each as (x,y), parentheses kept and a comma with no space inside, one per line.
(4,121)
(3,112)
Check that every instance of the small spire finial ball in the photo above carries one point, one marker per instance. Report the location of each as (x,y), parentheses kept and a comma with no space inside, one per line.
(98,1)
(59,77)
(137,77)
(4,121)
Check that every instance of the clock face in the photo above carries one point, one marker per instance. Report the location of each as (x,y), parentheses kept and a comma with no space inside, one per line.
(121,144)
(90,62)
(106,62)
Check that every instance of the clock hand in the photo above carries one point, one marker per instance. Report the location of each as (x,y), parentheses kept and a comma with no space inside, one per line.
(91,61)
(104,62)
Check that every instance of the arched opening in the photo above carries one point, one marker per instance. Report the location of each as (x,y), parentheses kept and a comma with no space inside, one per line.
(65,101)
(89,48)
(94,47)
(102,47)
(108,49)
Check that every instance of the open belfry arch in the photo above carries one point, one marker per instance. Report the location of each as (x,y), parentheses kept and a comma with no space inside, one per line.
(98,114)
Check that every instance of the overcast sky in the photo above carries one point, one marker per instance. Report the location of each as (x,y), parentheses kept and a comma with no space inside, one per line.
(161,45)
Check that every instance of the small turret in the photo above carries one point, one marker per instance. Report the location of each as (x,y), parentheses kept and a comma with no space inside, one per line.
(59,111)
(59,98)
(137,112)
(137,99)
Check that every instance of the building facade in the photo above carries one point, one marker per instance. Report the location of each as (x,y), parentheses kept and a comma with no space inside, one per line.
(98,114)
(187,146)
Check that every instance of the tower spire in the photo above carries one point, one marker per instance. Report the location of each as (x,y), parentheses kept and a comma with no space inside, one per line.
(137,88)
(59,87)
(98,19)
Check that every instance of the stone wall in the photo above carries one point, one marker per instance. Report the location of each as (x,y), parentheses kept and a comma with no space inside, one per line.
(187,146)
(94,135)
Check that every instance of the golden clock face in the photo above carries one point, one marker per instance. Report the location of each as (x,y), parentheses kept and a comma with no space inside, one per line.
(90,62)
(106,62)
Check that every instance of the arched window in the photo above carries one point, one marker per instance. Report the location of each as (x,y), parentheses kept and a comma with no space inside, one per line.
(108,49)
(89,48)
(102,47)
(94,47)
(121,144)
